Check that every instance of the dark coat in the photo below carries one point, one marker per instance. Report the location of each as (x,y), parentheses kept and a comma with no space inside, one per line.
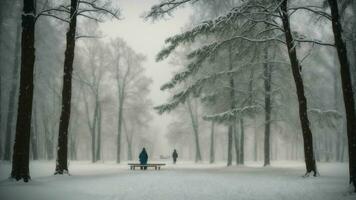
(175,154)
(143,157)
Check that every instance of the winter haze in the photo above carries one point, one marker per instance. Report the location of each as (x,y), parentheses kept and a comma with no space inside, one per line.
(177,99)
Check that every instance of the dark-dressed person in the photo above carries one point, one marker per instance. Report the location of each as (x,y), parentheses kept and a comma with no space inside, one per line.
(175,156)
(143,158)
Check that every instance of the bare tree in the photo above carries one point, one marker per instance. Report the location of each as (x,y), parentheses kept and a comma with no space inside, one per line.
(347,89)
(20,160)
(89,9)
(193,113)
(129,77)
(212,143)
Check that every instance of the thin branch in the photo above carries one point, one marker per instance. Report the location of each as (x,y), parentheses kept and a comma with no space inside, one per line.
(96,8)
(314,42)
(309,8)
(87,36)
(90,17)
(51,15)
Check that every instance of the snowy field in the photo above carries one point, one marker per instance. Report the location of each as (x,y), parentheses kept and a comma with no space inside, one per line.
(108,181)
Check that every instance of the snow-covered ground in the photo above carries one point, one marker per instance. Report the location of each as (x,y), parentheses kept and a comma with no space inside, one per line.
(109,181)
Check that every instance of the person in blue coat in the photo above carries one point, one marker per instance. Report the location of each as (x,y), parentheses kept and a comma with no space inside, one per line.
(175,156)
(143,158)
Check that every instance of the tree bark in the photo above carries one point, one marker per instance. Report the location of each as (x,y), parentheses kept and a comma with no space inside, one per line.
(212,143)
(62,150)
(232,107)
(347,89)
(129,147)
(48,146)
(2,8)
(339,133)
(237,144)
(353,69)
(268,108)
(302,101)
(12,97)
(1,142)
(119,123)
(20,159)
(128,140)
(255,149)
(229,145)
(195,131)
(242,142)
(91,125)
(98,148)
(1,107)
(93,133)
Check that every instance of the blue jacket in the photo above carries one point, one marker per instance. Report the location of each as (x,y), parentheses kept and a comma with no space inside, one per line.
(143,157)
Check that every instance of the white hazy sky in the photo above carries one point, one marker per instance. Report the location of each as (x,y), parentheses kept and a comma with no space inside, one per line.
(148,37)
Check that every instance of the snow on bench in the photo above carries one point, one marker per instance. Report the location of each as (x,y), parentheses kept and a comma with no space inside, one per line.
(157,166)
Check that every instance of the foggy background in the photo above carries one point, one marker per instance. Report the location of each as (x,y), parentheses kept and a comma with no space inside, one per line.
(138,41)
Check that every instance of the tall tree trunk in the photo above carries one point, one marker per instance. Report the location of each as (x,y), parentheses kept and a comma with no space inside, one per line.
(197,143)
(212,143)
(98,148)
(20,159)
(255,150)
(128,140)
(62,150)
(1,107)
(129,148)
(316,144)
(339,133)
(242,142)
(195,131)
(91,125)
(347,89)
(353,69)
(93,133)
(49,146)
(232,107)
(1,142)
(229,145)
(237,144)
(268,108)
(2,9)
(12,96)
(343,149)
(119,124)
(302,101)
(250,103)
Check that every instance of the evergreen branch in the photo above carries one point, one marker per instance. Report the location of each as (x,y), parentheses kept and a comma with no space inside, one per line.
(232,114)
(221,24)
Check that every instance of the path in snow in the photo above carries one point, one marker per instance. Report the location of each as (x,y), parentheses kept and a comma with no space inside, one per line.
(182,181)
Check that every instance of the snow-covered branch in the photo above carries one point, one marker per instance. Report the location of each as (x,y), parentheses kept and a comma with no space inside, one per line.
(166,7)
(314,9)
(232,114)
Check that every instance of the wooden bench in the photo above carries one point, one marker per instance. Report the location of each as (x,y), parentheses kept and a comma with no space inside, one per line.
(157,166)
